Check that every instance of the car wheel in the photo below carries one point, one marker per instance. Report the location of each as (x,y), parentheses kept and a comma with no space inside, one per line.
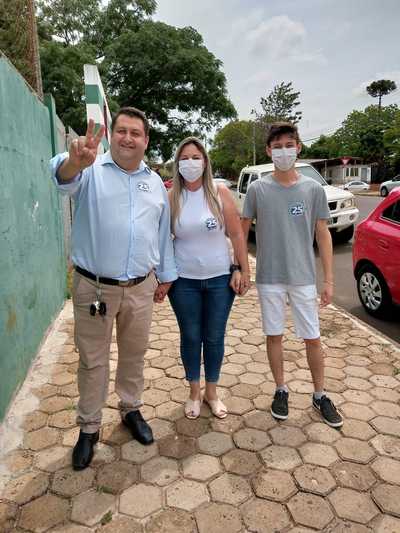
(373,292)
(344,235)
(384,191)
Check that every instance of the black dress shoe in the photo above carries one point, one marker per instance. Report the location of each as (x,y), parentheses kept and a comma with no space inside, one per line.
(82,454)
(138,426)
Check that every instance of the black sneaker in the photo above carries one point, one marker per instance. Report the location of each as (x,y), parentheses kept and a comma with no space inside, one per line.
(328,411)
(279,407)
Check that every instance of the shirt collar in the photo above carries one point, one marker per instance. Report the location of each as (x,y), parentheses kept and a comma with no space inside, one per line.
(107,159)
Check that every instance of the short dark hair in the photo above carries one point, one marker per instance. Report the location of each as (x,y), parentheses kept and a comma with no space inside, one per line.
(134,113)
(278,129)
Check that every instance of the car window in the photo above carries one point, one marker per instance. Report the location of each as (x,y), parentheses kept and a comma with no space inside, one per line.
(310,172)
(254,177)
(244,183)
(392,212)
(396,178)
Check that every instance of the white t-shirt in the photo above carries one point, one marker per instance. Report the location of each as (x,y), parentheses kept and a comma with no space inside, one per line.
(201,246)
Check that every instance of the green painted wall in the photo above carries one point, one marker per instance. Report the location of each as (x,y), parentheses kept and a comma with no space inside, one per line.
(32,263)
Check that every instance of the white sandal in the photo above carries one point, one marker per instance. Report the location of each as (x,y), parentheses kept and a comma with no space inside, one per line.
(218,409)
(192,408)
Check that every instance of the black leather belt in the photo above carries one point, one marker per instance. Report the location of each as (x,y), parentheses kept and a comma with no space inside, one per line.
(111,281)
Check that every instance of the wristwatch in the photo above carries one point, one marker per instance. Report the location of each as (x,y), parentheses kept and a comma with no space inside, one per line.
(233,268)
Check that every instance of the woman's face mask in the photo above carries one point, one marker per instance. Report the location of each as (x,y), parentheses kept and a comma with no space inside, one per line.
(191,169)
(284,158)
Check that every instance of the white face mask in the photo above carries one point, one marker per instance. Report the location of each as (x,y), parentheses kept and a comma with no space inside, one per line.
(284,158)
(191,169)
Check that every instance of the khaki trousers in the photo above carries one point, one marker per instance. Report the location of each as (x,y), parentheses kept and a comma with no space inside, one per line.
(132,308)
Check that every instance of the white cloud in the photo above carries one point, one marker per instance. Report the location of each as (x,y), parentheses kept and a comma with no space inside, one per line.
(278,37)
(393,75)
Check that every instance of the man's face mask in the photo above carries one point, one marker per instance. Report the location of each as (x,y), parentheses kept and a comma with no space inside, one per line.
(191,169)
(284,158)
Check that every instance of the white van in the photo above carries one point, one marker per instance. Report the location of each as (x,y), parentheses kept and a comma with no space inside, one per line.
(344,213)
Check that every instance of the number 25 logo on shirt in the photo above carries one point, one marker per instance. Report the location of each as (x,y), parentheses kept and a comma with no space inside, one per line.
(297,209)
(211,223)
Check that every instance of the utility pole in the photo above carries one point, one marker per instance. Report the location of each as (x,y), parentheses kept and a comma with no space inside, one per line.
(33,58)
(253,112)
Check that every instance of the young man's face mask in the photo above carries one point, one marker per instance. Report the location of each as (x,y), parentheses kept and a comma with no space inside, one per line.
(284,158)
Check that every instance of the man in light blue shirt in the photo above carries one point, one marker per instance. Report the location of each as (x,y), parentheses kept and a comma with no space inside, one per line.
(121,245)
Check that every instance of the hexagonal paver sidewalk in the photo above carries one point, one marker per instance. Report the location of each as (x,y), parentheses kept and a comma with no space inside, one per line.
(247,473)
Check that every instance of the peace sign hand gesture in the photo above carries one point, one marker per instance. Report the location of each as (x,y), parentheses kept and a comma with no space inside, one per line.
(83,151)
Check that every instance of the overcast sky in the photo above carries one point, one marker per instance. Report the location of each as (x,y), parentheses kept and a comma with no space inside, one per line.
(329,49)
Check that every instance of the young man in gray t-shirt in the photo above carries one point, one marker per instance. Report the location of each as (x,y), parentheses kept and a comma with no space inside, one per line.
(290,209)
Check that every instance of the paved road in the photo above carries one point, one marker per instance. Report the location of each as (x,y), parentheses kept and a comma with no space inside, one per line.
(345,287)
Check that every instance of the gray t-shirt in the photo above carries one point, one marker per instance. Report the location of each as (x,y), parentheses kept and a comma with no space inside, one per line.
(286,219)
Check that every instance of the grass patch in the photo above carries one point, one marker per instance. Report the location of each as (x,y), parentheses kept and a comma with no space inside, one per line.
(106,518)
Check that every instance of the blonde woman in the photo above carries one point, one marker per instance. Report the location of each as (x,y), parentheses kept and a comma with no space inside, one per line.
(202,216)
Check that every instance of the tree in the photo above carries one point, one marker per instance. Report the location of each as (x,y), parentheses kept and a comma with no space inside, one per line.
(14,39)
(391,141)
(170,74)
(325,147)
(280,105)
(233,147)
(380,88)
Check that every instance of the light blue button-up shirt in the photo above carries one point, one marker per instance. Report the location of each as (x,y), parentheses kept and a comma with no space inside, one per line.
(121,226)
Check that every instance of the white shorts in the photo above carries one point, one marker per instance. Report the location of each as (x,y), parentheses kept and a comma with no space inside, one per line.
(304,305)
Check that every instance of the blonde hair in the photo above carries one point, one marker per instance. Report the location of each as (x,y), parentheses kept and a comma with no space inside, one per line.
(178,186)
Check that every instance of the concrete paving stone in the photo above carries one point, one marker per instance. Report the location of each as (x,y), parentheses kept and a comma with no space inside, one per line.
(68,482)
(35,420)
(280,457)
(233,369)
(162,362)
(45,391)
(259,420)
(357,383)
(241,462)
(117,476)
(359,412)
(218,518)
(140,500)
(345,526)
(387,469)
(354,450)
(167,384)
(262,401)
(161,428)
(230,489)
(357,341)
(387,498)
(251,439)
(155,397)
(137,453)
(274,485)
(239,333)
(287,436)
(300,386)
(353,476)
(386,524)
(298,418)
(171,411)
(227,380)
(353,505)
(90,507)
(245,390)
(41,438)
(26,487)
(310,510)
(34,519)
(120,524)
(63,419)
(113,416)
(237,405)
(193,428)
(160,471)
(171,521)
(386,425)
(229,425)
(53,459)
(177,446)
(357,429)
(18,461)
(104,454)
(252,378)
(215,443)
(334,373)
(8,513)
(176,371)
(387,382)
(187,494)
(153,373)
(160,345)
(64,378)
(387,445)
(384,369)
(357,396)
(303,374)
(71,390)
(357,371)
(390,409)
(318,454)
(201,467)
(356,356)
(315,479)
(180,395)
(321,432)
(258,368)
(264,517)
(115,434)
(261,356)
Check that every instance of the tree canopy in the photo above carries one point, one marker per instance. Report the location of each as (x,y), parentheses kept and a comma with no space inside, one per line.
(380,88)
(280,105)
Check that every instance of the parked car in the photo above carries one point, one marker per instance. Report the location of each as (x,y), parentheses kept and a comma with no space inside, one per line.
(376,257)
(344,213)
(223,181)
(389,185)
(356,185)
(168,184)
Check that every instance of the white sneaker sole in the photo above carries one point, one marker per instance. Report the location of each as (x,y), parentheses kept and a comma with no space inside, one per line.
(279,417)
(331,424)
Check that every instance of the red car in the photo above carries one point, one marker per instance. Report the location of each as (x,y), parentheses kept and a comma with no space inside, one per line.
(376,258)
(168,184)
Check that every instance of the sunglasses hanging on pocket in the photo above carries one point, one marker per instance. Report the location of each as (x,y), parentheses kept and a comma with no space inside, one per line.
(98,306)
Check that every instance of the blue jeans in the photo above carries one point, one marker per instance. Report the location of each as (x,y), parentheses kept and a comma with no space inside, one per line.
(202,308)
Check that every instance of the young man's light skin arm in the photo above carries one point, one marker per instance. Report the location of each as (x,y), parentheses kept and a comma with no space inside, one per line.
(324,241)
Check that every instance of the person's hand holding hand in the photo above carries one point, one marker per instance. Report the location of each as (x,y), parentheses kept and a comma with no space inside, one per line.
(161,292)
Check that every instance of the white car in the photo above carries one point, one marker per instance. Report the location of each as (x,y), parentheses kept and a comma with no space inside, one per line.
(341,203)
(389,185)
(356,185)
(223,181)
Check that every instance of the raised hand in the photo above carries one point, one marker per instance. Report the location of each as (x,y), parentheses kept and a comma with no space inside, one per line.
(83,151)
